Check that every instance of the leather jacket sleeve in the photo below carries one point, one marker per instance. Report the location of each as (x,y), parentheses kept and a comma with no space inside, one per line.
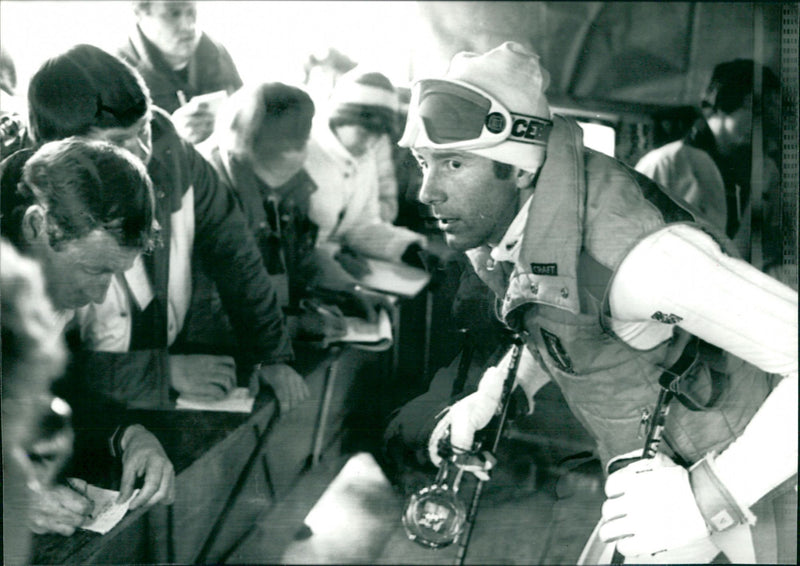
(231,258)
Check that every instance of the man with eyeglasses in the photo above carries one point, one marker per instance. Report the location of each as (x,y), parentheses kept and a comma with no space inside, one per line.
(609,282)
(84,212)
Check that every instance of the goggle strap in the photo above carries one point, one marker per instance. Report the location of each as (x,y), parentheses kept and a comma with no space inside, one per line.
(526,129)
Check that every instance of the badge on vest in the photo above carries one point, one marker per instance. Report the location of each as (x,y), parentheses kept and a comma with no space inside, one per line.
(544,268)
(556,350)
(666,318)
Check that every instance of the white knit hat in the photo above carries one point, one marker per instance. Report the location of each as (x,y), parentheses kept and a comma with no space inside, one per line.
(365,98)
(512,74)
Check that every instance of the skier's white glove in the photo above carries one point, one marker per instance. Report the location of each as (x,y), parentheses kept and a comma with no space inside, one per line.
(650,508)
(469,415)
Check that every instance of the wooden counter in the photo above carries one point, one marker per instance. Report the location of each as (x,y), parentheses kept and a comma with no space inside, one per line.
(229,468)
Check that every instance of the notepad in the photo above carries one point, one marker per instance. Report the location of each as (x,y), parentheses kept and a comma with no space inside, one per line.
(394,278)
(374,336)
(238,400)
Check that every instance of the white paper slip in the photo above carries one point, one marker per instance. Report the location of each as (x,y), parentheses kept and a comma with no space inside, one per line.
(238,401)
(212,100)
(106,513)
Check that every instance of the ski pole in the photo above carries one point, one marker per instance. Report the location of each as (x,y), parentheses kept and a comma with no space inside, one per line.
(508,385)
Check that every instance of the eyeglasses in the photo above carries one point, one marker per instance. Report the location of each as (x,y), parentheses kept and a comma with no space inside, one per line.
(455,115)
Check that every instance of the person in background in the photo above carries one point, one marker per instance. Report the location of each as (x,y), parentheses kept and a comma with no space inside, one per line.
(352,96)
(710,167)
(13,124)
(344,163)
(33,356)
(258,148)
(83,211)
(126,338)
(178,61)
(596,269)
(411,212)
(322,70)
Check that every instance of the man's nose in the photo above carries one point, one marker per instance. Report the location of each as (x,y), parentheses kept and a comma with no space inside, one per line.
(187,22)
(97,293)
(430,193)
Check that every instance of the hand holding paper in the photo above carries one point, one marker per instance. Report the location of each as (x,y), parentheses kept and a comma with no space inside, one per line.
(194,120)
(144,457)
(108,510)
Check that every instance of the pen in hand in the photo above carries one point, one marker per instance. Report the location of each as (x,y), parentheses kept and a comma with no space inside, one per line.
(80,487)
(333,323)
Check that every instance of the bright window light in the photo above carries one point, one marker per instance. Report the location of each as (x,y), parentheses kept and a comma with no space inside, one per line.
(268,40)
(598,137)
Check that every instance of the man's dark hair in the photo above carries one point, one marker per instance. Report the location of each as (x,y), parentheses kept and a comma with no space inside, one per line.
(266,120)
(83,186)
(732,81)
(81,89)
(502,171)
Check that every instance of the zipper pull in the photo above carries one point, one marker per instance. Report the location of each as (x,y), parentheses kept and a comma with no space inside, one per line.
(644,421)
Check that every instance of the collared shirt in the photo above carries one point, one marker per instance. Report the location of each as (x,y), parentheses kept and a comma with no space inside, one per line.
(509,247)
(107,327)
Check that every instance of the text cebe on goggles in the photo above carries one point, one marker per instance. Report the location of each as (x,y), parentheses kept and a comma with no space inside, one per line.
(456,115)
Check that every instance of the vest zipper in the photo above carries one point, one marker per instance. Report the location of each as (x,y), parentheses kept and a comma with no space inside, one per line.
(644,422)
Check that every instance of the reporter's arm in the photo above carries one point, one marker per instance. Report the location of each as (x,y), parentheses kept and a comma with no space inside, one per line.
(289,386)
(233,261)
(144,457)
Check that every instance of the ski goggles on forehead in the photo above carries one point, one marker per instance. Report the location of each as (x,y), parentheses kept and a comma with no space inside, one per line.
(456,115)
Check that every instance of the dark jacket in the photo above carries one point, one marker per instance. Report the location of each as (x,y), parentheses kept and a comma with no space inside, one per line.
(274,216)
(209,70)
(278,220)
(229,255)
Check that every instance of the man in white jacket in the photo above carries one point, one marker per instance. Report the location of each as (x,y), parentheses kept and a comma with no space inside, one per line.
(343,160)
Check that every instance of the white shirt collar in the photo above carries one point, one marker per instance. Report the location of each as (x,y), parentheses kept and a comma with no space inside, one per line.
(509,246)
